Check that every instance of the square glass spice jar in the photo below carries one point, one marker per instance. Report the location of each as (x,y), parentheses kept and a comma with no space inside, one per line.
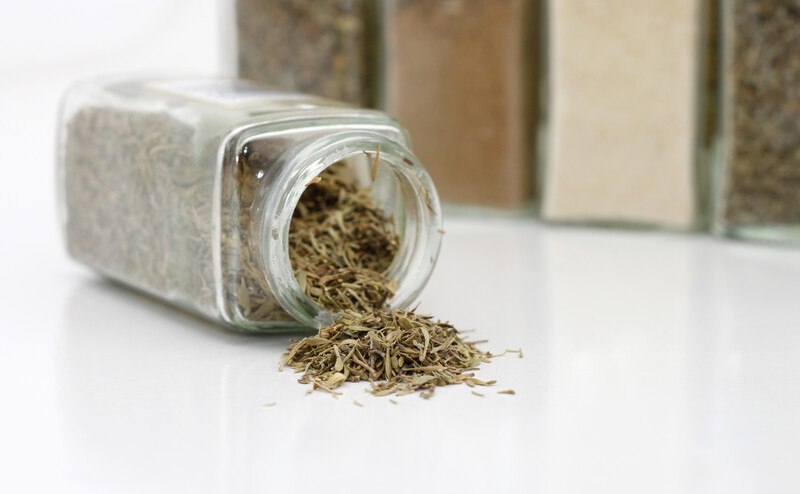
(757,167)
(327,48)
(185,189)
(460,75)
(623,113)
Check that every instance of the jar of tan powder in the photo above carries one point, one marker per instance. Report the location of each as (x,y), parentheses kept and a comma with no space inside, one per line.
(624,113)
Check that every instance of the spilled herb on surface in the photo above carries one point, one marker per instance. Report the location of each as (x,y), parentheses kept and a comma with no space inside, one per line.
(397,351)
(341,246)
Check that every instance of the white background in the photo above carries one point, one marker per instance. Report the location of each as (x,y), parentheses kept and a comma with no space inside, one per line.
(653,362)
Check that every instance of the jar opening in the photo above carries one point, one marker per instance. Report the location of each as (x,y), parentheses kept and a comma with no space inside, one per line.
(397,185)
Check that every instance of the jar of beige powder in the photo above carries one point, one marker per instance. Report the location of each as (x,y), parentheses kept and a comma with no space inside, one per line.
(624,113)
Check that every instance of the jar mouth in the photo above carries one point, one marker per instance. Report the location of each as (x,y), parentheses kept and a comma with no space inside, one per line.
(400,174)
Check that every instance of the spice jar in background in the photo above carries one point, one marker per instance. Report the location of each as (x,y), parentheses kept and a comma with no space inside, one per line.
(624,112)
(324,48)
(186,189)
(758,166)
(458,75)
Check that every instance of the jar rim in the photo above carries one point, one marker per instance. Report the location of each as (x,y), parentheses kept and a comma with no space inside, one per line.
(420,239)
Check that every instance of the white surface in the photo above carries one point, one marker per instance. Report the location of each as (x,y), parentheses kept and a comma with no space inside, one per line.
(653,363)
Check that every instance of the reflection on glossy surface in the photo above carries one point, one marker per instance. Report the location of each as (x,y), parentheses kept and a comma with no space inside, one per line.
(753,391)
(144,388)
(653,363)
(141,388)
(622,309)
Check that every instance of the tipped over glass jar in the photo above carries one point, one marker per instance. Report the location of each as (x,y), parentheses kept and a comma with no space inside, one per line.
(186,189)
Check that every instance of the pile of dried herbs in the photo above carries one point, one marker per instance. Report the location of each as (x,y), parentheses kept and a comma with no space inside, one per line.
(341,246)
(397,351)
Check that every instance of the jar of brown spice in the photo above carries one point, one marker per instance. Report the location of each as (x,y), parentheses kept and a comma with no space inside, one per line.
(459,75)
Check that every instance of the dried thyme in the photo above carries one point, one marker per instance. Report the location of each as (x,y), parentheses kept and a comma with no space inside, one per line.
(341,245)
(144,219)
(398,352)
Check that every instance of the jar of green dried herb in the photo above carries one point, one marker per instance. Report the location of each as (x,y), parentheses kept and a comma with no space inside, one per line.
(758,153)
(325,48)
(190,190)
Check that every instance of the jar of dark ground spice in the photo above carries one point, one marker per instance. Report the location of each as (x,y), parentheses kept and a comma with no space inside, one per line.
(212,195)
(757,176)
(327,48)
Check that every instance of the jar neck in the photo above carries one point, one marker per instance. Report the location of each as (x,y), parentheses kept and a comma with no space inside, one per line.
(405,182)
